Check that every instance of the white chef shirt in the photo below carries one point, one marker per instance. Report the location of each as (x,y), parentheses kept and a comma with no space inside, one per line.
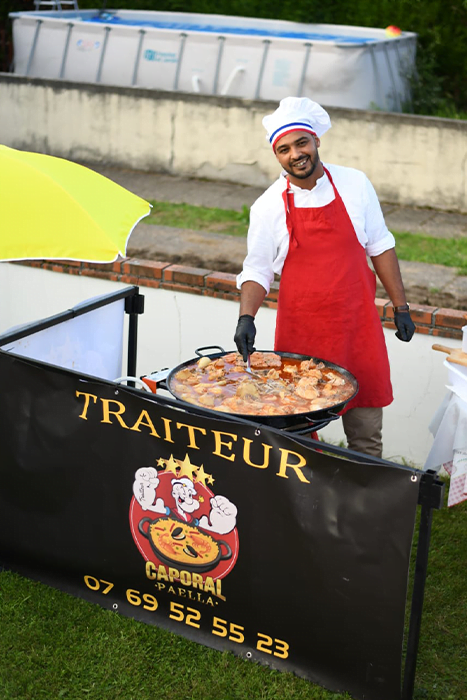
(268,237)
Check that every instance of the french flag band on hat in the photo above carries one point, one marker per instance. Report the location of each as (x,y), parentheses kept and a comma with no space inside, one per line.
(296,114)
(287,129)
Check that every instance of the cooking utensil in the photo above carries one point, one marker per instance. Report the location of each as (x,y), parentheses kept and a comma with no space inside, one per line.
(455,355)
(283,421)
(250,371)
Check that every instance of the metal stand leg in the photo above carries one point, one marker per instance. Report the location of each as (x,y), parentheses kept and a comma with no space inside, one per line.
(391,76)
(142,32)
(304,69)
(179,62)
(34,44)
(266,43)
(218,64)
(65,51)
(431,496)
(134,306)
(104,48)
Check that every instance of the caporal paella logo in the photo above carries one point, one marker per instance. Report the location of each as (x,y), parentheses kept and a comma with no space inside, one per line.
(185,532)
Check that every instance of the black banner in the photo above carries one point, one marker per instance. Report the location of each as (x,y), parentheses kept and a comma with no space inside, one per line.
(235,536)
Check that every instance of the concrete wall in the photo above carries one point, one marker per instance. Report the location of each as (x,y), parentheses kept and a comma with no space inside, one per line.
(174,324)
(411,160)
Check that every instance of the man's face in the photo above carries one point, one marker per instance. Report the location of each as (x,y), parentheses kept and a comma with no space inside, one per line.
(297,153)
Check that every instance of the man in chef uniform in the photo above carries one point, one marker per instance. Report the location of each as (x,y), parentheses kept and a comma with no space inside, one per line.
(315,226)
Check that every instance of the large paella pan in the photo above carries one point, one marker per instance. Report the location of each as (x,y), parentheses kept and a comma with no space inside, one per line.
(284,389)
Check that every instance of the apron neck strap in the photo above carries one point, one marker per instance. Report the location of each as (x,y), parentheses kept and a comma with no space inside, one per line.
(289,206)
(336,193)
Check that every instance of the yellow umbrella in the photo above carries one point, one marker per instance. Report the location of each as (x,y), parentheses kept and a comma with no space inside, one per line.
(54,208)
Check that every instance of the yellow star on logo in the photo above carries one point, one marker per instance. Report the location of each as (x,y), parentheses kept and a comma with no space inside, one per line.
(211,480)
(171,465)
(187,468)
(161,462)
(202,476)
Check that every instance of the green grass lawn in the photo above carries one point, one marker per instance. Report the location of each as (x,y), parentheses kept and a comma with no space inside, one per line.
(55,646)
(416,247)
(451,252)
(215,220)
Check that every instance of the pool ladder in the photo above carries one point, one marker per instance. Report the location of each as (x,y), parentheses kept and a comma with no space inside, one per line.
(55,4)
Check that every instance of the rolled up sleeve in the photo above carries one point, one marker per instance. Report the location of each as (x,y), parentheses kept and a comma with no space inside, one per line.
(262,250)
(379,237)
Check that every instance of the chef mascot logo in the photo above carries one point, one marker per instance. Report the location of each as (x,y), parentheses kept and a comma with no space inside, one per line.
(188,532)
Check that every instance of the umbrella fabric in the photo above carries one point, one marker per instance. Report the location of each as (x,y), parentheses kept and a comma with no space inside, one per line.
(54,208)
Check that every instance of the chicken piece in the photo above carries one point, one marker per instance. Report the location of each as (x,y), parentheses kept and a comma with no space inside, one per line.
(235,405)
(206,400)
(201,388)
(203,362)
(291,369)
(183,374)
(313,374)
(273,374)
(333,379)
(186,376)
(273,411)
(306,388)
(214,374)
(232,358)
(318,404)
(247,388)
(329,390)
(307,365)
(265,359)
(217,390)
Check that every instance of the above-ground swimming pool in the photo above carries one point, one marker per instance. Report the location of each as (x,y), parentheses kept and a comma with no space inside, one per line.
(338,66)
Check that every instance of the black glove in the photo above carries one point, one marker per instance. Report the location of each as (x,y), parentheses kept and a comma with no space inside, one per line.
(404,324)
(245,335)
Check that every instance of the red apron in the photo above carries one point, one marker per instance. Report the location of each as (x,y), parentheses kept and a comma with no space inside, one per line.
(326,305)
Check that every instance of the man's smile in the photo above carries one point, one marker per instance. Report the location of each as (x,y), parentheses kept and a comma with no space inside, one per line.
(300,163)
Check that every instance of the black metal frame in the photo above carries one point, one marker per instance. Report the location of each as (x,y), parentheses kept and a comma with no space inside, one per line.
(430,497)
(134,305)
(431,489)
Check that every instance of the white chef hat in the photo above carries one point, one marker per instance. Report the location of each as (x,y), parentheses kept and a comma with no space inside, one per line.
(185,482)
(296,114)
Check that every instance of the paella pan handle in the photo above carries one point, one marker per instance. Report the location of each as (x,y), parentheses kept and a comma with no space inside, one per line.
(330,416)
(208,347)
(315,425)
(141,525)
(228,553)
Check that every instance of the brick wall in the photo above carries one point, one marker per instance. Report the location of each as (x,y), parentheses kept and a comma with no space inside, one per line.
(429,320)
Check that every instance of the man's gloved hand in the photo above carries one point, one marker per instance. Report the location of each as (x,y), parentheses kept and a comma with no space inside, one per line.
(404,324)
(245,335)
